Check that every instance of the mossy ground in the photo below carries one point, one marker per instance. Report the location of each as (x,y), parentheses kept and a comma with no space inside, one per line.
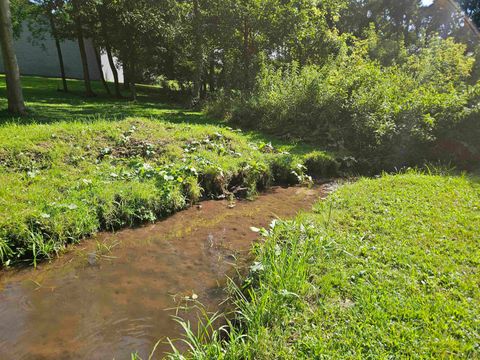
(75,166)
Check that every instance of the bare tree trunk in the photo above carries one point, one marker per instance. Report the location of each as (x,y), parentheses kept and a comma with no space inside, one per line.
(132,79)
(197,80)
(59,52)
(108,50)
(118,94)
(246,54)
(211,73)
(224,76)
(126,76)
(133,90)
(16,105)
(203,91)
(100,68)
(83,54)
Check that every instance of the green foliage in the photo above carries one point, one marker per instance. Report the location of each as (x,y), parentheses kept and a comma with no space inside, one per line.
(472,8)
(384,268)
(320,163)
(20,10)
(390,115)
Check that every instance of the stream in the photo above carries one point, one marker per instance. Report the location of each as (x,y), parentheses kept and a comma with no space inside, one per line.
(115,293)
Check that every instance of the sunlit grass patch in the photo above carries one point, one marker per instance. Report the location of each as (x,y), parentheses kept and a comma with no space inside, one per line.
(385,268)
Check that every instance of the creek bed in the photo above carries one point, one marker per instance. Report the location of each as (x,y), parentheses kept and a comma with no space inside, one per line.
(114,294)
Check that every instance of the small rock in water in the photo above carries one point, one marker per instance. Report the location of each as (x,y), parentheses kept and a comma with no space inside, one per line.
(92,259)
(211,241)
(231,257)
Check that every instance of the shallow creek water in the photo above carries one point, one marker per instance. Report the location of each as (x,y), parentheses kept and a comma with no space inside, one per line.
(113,294)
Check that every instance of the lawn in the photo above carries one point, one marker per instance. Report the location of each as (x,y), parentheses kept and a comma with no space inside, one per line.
(47,104)
(386,268)
(75,166)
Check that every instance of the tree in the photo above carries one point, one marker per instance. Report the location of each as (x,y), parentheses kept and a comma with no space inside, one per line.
(20,11)
(46,18)
(240,37)
(16,103)
(142,28)
(197,26)
(102,11)
(98,59)
(55,36)
(77,16)
(99,18)
(472,9)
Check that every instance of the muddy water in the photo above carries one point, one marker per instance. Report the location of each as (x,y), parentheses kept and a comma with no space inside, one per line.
(114,294)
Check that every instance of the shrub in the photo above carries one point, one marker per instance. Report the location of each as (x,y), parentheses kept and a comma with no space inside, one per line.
(390,116)
(320,164)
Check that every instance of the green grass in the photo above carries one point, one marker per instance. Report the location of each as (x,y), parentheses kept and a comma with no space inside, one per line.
(386,268)
(47,105)
(75,166)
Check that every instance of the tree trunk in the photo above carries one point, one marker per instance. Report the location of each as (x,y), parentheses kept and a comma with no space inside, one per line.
(16,104)
(59,52)
(133,90)
(203,91)
(100,68)
(211,73)
(222,78)
(108,50)
(118,94)
(83,54)
(246,54)
(225,76)
(197,80)
(126,76)
(132,79)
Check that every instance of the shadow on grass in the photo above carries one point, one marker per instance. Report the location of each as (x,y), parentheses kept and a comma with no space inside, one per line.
(196,118)
(46,104)
(187,117)
(474,179)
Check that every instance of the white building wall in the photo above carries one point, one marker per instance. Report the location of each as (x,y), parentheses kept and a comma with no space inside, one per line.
(107,71)
(39,57)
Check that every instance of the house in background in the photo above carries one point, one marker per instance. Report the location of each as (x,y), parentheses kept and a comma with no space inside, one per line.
(39,57)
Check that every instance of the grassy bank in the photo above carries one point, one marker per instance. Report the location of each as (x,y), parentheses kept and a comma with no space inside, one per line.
(385,268)
(74,166)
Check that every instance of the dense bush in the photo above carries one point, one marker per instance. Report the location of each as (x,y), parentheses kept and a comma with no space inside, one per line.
(420,108)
